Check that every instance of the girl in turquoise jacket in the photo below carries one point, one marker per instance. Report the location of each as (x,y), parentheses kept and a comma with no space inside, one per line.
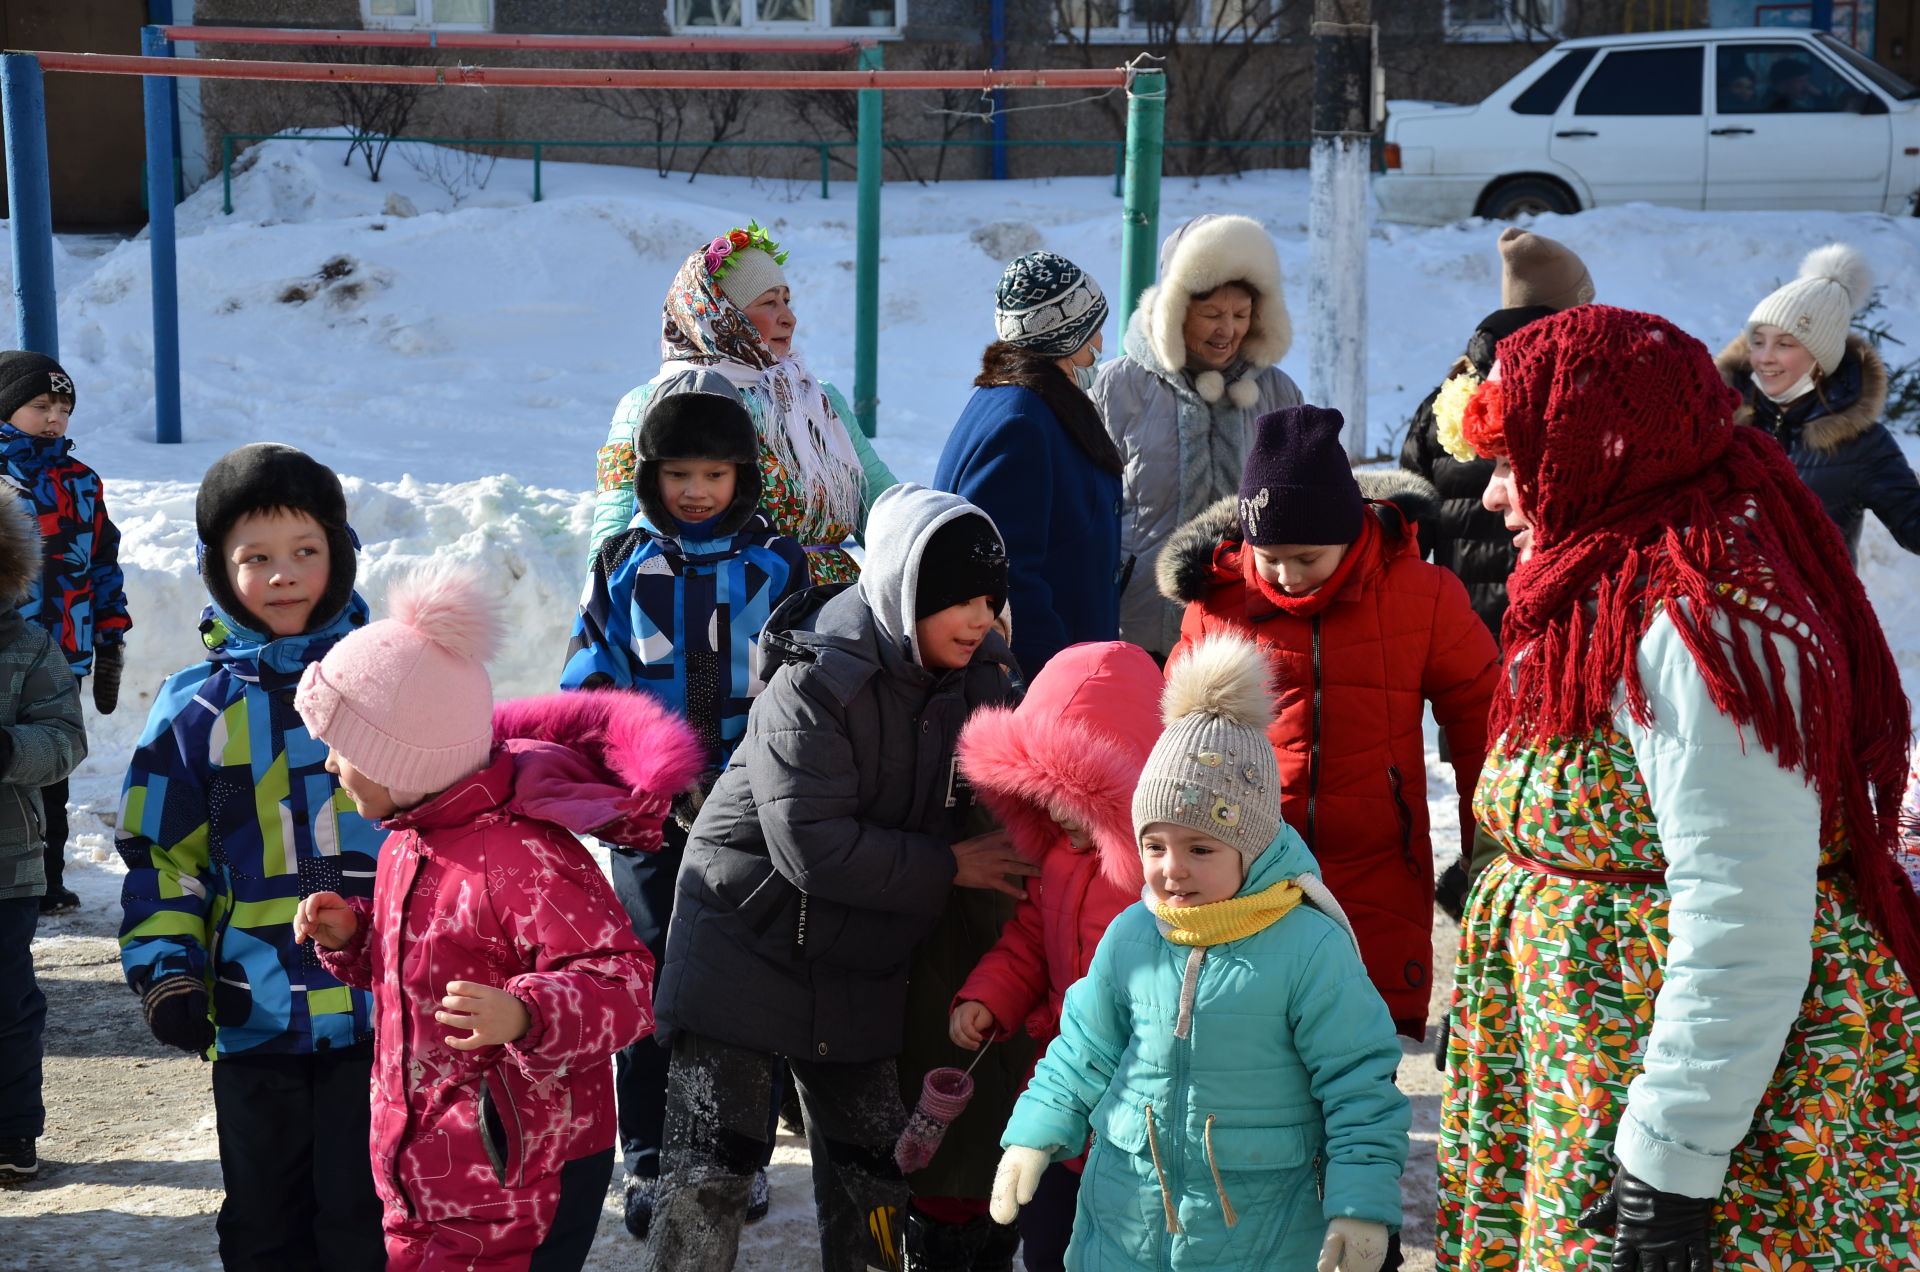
(1226,1049)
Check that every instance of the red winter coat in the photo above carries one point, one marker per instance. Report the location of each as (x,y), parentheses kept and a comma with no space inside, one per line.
(1078,740)
(1352,676)
(486,883)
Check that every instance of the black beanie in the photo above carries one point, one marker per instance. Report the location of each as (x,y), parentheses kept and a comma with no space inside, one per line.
(697,425)
(1497,326)
(25,376)
(262,476)
(1298,486)
(963,559)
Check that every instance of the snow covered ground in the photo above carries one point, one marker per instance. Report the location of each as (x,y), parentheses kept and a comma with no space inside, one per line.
(458,367)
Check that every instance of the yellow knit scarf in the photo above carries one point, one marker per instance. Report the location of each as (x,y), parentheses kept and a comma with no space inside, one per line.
(1218,922)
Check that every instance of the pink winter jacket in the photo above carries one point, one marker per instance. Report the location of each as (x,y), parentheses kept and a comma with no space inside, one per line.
(487,883)
(1078,740)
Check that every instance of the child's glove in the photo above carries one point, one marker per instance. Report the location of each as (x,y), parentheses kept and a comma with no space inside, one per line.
(1013,1184)
(176,1011)
(108,662)
(1353,1245)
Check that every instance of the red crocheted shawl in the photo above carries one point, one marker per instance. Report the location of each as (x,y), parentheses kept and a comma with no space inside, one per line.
(1642,492)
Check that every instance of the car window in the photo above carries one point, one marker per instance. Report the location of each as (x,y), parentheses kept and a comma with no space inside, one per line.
(1643,82)
(1543,96)
(1862,65)
(1752,79)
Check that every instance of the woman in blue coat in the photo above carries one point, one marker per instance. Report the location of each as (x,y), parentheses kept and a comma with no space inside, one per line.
(1031,452)
(1226,1049)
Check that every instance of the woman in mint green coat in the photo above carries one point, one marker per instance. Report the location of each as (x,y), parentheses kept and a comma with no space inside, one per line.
(1226,1049)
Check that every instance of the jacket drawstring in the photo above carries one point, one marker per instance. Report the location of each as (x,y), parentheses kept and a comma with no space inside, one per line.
(1160,1172)
(1188,985)
(1226,1207)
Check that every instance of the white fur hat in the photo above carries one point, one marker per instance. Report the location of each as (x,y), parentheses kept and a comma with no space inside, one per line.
(1201,255)
(1817,307)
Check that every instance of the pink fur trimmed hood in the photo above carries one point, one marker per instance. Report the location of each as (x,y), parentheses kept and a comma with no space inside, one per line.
(600,762)
(1078,741)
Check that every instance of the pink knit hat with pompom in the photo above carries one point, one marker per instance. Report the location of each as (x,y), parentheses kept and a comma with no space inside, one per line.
(407,700)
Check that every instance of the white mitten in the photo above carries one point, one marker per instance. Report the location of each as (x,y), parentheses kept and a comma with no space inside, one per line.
(1352,1245)
(1013,1184)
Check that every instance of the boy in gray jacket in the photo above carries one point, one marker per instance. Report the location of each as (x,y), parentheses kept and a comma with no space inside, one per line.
(822,857)
(42,740)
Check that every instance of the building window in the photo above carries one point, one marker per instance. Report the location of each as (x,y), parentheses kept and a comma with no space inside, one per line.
(442,15)
(1505,21)
(787,17)
(1121,21)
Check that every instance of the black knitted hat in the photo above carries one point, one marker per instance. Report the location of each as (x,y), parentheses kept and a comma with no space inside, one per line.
(695,425)
(24,376)
(963,559)
(1497,326)
(260,477)
(1298,486)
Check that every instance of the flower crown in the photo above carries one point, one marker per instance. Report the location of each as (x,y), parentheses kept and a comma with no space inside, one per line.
(720,252)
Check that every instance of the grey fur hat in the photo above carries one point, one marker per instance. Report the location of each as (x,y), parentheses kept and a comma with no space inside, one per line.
(20,546)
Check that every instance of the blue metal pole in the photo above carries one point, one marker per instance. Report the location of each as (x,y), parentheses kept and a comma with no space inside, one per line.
(160,244)
(35,311)
(999,98)
(160,13)
(1822,16)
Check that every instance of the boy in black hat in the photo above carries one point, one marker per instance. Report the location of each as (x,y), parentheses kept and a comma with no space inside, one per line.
(77,594)
(674,609)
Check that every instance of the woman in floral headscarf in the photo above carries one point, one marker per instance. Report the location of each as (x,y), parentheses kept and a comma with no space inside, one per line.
(728,327)
(1685,1010)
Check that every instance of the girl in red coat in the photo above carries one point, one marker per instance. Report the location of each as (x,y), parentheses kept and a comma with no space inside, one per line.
(1362,634)
(504,972)
(1059,771)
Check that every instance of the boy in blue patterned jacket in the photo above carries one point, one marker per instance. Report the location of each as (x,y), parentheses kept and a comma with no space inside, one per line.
(77,594)
(229,819)
(674,609)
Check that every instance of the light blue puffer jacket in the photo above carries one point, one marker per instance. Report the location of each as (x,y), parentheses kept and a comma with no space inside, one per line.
(1284,1085)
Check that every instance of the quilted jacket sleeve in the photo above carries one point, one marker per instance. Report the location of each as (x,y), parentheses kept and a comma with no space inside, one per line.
(1054,1112)
(47,735)
(106,584)
(597,651)
(168,894)
(1010,979)
(1888,487)
(352,963)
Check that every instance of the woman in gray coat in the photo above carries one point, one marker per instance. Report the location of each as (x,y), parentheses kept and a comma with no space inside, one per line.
(1180,405)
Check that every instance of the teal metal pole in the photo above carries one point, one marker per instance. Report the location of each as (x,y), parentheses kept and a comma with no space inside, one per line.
(1140,218)
(159,100)
(536,172)
(35,310)
(226,175)
(866,256)
(826,171)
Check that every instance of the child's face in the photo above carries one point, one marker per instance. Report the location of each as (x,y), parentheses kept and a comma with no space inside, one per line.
(374,801)
(1077,833)
(695,489)
(1779,361)
(278,565)
(45,416)
(1298,569)
(1186,868)
(948,638)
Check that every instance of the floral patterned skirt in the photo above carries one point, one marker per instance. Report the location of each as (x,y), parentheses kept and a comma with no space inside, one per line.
(1553,1001)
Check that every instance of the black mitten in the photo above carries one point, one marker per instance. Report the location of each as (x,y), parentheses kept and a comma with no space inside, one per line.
(176,1010)
(1653,1231)
(108,662)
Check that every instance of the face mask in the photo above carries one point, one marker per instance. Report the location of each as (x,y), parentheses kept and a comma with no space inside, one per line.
(1084,376)
(1793,392)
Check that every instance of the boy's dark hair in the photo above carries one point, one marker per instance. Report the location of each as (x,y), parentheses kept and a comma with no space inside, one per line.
(695,425)
(25,375)
(265,477)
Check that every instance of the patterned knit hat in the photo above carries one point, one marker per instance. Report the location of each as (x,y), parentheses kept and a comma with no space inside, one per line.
(1213,769)
(24,376)
(1047,304)
(1817,307)
(1298,486)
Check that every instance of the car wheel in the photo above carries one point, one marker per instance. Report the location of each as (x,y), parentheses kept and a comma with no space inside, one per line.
(1526,196)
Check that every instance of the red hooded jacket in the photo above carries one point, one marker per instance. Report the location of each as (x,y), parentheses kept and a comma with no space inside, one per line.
(1354,666)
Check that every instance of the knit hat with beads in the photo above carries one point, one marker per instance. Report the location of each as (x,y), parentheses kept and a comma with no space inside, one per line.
(407,700)
(1817,307)
(1213,769)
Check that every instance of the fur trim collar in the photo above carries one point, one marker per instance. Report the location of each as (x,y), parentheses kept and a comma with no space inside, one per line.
(1198,257)
(20,547)
(1185,573)
(1843,420)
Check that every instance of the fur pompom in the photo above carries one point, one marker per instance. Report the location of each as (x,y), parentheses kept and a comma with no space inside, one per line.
(1222,676)
(1843,265)
(1243,393)
(1210,385)
(448,605)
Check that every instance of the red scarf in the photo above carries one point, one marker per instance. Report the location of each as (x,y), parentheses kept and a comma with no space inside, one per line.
(1359,554)
(1642,491)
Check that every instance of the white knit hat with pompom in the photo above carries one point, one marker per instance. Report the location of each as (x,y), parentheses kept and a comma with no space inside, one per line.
(1817,307)
(407,700)
(1213,769)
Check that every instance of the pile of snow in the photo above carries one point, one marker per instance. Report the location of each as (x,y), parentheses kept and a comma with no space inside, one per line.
(457,359)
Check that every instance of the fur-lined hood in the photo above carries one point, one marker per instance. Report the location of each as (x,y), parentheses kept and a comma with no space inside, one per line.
(20,559)
(1195,259)
(1849,412)
(1400,499)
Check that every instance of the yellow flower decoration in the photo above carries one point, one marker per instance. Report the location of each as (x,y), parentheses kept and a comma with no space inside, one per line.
(1450,412)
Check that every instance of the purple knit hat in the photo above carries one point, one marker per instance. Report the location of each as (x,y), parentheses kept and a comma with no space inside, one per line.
(1297,486)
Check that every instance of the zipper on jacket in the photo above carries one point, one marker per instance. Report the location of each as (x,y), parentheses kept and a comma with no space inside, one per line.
(505,1120)
(1406,818)
(1313,753)
(1177,1127)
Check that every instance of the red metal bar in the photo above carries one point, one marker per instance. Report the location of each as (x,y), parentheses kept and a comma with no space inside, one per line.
(492,40)
(545,77)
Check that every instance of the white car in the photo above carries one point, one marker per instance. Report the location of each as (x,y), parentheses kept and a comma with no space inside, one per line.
(1761,117)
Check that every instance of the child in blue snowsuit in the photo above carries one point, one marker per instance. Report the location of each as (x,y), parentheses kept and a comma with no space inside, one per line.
(228,820)
(674,608)
(78,592)
(1226,1048)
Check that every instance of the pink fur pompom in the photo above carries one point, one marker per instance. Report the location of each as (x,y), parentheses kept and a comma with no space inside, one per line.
(448,605)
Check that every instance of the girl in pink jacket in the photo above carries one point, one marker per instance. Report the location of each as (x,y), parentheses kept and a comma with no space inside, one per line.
(504,972)
(1059,771)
